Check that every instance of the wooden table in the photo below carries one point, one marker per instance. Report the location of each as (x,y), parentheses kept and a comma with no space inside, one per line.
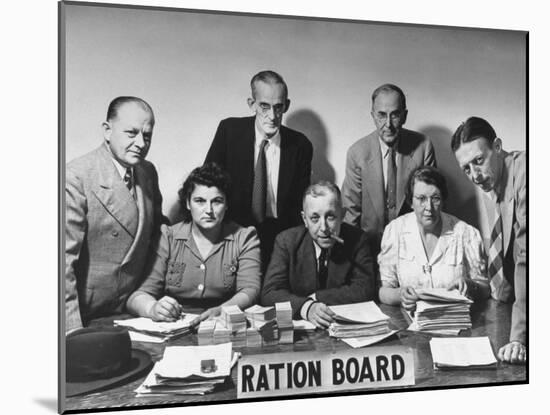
(491,319)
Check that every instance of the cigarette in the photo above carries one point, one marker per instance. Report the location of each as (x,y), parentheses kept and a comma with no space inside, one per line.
(337,239)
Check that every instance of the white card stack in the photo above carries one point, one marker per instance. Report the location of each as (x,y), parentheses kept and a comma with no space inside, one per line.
(258,315)
(205,332)
(253,337)
(221,333)
(283,312)
(233,317)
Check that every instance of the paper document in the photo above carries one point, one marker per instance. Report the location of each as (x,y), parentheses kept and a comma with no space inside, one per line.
(462,352)
(185,361)
(136,336)
(161,327)
(442,294)
(367,312)
(357,342)
(303,325)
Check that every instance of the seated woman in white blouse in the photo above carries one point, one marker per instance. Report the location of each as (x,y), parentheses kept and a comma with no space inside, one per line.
(428,248)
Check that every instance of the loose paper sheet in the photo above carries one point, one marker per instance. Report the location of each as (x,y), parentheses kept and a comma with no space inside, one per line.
(366,312)
(357,342)
(462,351)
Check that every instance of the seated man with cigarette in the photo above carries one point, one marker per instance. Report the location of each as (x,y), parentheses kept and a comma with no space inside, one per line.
(326,262)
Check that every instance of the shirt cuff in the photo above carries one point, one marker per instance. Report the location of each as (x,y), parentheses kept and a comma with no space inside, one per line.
(305,308)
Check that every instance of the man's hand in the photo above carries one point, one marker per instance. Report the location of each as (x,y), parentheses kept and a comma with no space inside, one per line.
(320,315)
(513,352)
(409,297)
(165,309)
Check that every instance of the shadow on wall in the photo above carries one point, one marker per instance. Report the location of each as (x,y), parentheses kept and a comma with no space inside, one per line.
(462,197)
(310,124)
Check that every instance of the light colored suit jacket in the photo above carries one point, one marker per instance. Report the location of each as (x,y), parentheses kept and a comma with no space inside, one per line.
(109,236)
(363,192)
(513,208)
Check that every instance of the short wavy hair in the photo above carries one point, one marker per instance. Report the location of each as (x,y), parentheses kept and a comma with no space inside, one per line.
(428,175)
(209,175)
(321,188)
(472,129)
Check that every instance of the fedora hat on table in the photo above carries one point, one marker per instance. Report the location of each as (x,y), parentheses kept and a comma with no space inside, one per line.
(98,358)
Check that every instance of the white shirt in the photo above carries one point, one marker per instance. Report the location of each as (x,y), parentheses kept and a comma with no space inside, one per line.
(122,171)
(272,158)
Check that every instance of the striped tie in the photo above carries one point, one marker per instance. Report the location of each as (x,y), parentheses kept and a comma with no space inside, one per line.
(499,286)
(259,189)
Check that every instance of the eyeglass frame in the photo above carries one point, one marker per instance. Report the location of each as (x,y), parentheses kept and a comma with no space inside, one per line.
(435,200)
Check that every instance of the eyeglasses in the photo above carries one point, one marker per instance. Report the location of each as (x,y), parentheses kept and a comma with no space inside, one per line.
(278,109)
(383,117)
(424,200)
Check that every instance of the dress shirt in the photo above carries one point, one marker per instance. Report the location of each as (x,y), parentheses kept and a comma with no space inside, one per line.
(122,171)
(180,271)
(272,159)
(459,253)
(384,150)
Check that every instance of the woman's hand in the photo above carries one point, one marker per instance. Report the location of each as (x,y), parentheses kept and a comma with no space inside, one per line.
(409,297)
(320,315)
(465,286)
(165,309)
(210,313)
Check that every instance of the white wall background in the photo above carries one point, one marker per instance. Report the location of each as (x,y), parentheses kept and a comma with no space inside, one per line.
(194,69)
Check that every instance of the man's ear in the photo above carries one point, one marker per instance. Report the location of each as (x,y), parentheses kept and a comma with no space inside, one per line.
(405,113)
(497,145)
(106,127)
(287,105)
(303,217)
(250,102)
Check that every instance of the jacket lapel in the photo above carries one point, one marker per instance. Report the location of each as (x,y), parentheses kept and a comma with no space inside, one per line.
(113,194)
(507,203)
(404,167)
(286,171)
(338,266)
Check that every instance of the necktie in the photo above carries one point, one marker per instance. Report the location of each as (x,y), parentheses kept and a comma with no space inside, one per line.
(391,187)
(128,179)
(499,286)
(259,190)
(323,268)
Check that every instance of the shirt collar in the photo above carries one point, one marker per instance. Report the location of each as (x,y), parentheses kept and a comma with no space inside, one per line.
(384,147)
(119,167)
(182,231)
(275,140)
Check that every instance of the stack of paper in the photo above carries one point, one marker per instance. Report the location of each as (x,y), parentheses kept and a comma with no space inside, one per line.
(159,329)
(283,314)
(462,353)
(186,370)
(258,315)
(441,310)
(358,320)
(233,317)
(205,332)
(304,325)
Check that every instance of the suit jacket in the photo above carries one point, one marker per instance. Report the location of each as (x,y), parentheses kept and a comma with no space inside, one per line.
(108,241)
(363,192)
(513,208)
(233,149)
(292,273)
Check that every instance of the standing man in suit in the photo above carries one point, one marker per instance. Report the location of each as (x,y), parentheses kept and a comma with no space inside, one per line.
(378,166)
(500,179)
(323,263)
(113,214)
(269,164)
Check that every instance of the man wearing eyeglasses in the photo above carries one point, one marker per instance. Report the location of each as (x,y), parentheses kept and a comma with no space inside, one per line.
(269,164)
(378,166)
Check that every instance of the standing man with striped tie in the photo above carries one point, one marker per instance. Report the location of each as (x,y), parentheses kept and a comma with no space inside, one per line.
(269,164)
(113,215)
(500,176)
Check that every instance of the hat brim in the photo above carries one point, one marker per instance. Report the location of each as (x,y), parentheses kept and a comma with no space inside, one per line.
(140,362)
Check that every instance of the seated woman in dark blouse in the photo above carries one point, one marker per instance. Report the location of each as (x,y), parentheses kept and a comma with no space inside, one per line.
(202,262)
